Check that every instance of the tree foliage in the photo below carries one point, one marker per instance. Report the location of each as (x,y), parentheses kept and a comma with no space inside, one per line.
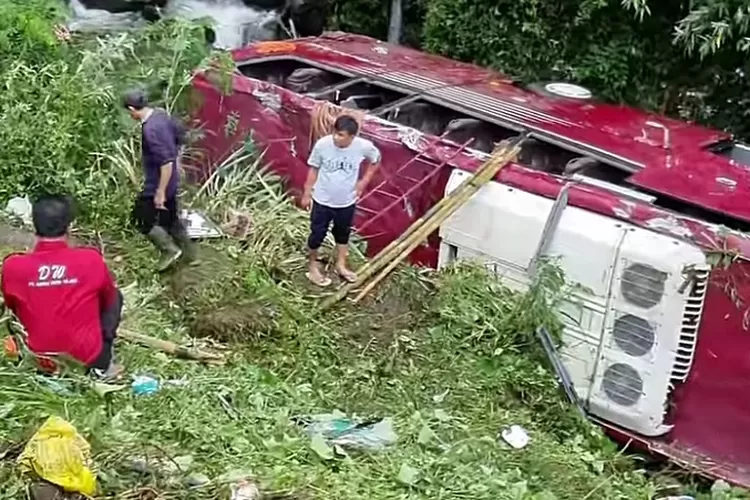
(61,100)
(370,17)
(709,27)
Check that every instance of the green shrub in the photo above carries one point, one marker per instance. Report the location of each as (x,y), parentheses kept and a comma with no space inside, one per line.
(61,101)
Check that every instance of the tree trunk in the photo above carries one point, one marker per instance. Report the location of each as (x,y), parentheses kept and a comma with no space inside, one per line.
(394,28)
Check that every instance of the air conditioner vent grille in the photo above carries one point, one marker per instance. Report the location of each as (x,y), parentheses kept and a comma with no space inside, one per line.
(643,285)
(622,384)
(691,319)
(634,335)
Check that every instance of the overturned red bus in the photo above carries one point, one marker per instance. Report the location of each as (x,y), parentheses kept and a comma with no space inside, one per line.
(647,213)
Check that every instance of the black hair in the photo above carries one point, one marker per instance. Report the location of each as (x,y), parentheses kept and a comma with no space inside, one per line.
(346,123)
(52,215)
(136,99)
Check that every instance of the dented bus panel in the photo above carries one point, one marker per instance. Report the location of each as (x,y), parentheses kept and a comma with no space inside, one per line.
(649,213)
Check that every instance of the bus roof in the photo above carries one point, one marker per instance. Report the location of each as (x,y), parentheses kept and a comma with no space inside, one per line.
(667,157)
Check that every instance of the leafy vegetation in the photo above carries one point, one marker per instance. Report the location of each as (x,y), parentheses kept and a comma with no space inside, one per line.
(449,356)
(61,102)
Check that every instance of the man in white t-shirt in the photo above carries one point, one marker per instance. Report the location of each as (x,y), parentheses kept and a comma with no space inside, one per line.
(332,189)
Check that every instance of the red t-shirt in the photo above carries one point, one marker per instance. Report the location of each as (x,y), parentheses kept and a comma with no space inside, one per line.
(58,293)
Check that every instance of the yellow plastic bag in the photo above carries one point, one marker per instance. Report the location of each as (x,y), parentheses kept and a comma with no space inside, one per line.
(59,455)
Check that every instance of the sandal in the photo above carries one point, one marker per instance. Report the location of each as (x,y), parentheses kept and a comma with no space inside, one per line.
(347,276)
(323,282)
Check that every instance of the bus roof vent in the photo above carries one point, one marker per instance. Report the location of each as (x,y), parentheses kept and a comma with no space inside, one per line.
(622,384)
(643,285)
(634,335)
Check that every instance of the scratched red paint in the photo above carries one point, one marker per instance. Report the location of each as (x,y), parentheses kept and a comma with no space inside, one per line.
(711,413)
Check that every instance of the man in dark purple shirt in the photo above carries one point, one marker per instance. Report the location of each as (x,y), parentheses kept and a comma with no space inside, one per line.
(156,213)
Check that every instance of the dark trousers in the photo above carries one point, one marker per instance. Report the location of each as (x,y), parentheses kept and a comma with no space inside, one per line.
(146,215)
(321,218)
(110,320)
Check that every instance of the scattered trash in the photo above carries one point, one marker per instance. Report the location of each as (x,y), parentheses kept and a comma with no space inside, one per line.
(238,224)
(102,389)
(682,497)
(335,429)
(196,480)
(439,398)
(59,455)
(320,447)
(408,475)
(516,436)
(426,435)
(19,207)
(144,385)
(245,490)
(179,382)
(199,226)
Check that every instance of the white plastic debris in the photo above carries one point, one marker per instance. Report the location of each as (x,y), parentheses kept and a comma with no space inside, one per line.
(199,226)
(245,490)
(516,436)
(19,207)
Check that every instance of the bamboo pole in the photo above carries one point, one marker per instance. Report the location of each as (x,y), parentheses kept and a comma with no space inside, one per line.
(388,251)
(408,247)
(446,205)
(171,348)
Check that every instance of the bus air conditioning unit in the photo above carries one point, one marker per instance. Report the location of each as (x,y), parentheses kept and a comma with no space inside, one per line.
(630,329)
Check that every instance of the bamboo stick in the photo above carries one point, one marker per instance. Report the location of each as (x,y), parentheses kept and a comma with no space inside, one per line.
(421,235)
(383,254)
(485,173)
(171,348)
(469,186)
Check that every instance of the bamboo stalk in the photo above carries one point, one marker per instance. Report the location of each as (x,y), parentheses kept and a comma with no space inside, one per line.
(388,250)
(469,186)
(171,348)
(416,240)
(446,205)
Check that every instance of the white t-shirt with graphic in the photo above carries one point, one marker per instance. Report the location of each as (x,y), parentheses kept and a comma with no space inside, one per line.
(338,170)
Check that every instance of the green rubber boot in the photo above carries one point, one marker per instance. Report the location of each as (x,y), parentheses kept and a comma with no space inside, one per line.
(170,252)
(189,248)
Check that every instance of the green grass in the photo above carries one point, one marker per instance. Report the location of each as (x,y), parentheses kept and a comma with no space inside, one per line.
(449,356)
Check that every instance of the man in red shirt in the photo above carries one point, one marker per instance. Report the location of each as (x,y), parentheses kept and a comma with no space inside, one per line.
(64,296)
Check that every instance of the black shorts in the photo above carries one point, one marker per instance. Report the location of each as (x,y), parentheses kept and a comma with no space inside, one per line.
(145,215)
(110,321)
(321,217)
